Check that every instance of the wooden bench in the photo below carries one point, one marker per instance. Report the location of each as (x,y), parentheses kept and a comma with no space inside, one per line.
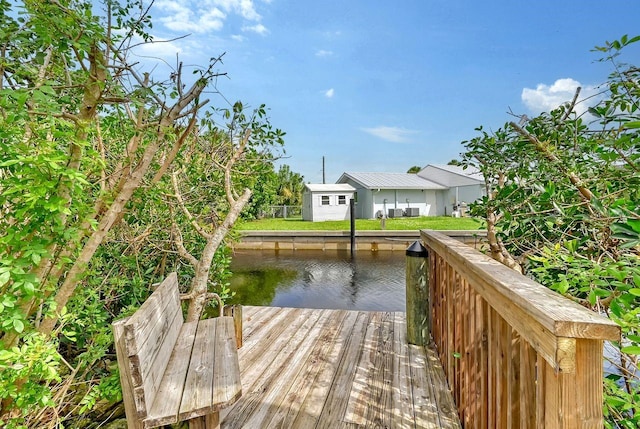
(173,371)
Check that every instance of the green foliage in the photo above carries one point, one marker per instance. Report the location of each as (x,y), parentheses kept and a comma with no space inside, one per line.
(283,187)
(564,198)
(76,125)
(258,287)
(290,187)
(37,362)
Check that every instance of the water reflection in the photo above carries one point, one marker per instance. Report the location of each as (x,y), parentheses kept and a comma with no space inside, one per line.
(316,279)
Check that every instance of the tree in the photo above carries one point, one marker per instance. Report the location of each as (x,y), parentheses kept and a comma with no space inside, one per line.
(85,144)
(563,205)
(415,169)
(229,153)
(290,186)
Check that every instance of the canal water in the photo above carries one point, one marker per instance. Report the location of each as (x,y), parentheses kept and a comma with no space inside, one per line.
(372,281)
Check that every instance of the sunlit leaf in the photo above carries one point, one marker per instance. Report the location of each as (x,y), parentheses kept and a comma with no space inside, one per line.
(631,350)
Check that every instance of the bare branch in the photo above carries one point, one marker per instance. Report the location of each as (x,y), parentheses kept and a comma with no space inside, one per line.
(237,154)
(182,251)
(571,105)
(185,210)
(175,149)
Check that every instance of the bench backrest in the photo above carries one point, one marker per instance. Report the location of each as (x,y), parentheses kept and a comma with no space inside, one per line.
(147,339)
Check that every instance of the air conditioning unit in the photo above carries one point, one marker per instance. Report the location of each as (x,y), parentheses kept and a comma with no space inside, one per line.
(412,212)
(395,213)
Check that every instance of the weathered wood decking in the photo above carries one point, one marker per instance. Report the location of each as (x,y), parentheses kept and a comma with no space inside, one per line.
(304,368)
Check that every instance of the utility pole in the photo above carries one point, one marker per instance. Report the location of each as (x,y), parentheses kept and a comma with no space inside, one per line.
(323,182)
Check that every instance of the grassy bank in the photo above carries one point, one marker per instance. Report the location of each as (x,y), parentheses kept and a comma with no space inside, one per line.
(394,224)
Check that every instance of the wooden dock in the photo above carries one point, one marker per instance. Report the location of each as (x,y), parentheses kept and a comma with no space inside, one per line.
(304,368)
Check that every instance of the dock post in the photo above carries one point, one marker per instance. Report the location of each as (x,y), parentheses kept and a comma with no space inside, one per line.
(235,311)
(417,291)
(352,217)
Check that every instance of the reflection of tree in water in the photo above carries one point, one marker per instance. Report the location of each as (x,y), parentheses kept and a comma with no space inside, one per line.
(307,277)
(335,274)
(258,286)
(371,281)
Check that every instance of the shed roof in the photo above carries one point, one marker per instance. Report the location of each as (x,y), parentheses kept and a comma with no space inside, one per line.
(390,181)
(329,187)
(452,175)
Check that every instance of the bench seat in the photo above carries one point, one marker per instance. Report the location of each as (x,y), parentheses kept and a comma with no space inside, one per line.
(172,371)
(203,384)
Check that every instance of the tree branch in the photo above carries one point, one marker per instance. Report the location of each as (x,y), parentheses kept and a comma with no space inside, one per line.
(542,147)
(182,251)
(185,210)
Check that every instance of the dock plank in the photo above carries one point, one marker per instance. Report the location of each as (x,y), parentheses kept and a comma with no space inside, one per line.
(304,368)
(403,414)
(300,386)
(311,408)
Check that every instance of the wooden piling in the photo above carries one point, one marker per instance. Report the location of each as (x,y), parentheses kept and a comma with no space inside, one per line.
(417,291)
(235,311)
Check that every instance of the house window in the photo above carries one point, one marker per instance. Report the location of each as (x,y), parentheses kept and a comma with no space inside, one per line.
(325,200)
(342,199)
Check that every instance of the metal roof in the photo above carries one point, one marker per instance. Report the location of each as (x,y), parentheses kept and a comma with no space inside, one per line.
(452,175)
(390,181)
(329,187)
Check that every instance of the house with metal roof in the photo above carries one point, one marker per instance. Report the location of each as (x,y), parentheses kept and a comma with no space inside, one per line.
(436,190)
(393,194)
(326,201)
(463,186)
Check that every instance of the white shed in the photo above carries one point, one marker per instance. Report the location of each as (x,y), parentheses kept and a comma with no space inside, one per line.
(326,201)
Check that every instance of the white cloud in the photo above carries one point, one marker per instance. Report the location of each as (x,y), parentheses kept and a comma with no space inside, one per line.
(238,37)
(548,97)
(332,34)
(258,28)
(202,16)
(329,93)
(245,8)
(323,53)
(159,48)
(391,134)
(181,17)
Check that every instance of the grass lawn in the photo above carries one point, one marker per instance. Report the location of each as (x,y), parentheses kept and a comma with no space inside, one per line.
(412,223)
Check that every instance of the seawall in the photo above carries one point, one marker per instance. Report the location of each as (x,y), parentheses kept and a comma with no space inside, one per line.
(341,240)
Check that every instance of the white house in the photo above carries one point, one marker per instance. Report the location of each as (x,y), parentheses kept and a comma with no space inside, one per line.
(462,185)
(393,194)
(436,190)
(326,201)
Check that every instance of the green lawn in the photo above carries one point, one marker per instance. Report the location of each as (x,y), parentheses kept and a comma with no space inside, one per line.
(414,223)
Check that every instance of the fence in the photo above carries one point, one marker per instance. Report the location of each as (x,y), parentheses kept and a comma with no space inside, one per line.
(515,353)
(284,211)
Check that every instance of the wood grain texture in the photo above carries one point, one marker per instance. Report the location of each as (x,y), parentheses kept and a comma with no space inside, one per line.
(417,300)
(174,371)
(560,316)
(165,411)
(235,311)
(528,356)
(304,368)
(150,334)
(527,391)
(125,376)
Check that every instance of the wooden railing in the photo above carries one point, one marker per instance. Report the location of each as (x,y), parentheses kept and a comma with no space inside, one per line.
(515,353)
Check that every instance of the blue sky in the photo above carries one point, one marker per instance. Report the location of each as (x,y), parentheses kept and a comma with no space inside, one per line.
(382,86)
